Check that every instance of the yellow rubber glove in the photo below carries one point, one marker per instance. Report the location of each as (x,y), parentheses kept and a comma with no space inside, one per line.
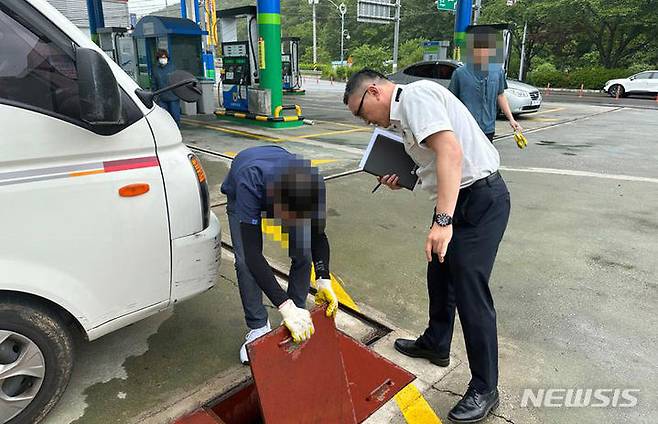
(325,294)
(520,139)
(297,320)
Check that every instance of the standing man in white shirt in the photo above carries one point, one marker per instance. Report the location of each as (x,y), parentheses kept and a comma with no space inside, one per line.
(458,166)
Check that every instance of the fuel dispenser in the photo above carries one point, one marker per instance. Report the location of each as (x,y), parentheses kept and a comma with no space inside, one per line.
(118,43)
(292,79)
(239,60)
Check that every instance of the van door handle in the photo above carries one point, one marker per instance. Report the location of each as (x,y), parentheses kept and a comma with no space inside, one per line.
(132,190)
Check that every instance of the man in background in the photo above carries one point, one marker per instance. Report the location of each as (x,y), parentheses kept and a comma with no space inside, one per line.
(480,84)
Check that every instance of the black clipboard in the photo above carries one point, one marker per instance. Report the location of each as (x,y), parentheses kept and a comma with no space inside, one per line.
(385,155)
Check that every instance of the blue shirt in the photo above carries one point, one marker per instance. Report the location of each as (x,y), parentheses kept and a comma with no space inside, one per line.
(160,78)
(252,170)
(479,92)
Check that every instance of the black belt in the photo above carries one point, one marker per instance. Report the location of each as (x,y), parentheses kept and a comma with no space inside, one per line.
(485,181)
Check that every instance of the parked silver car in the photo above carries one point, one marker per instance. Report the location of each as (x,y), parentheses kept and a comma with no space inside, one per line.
(522,98)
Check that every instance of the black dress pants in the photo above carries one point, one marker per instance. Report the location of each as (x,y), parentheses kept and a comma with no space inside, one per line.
(461,282)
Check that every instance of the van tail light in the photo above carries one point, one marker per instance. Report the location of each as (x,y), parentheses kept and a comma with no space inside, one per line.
(203,189)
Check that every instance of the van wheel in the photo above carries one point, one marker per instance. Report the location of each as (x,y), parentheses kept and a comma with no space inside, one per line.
(36,358)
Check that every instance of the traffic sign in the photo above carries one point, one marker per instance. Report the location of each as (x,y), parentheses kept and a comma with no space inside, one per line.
(449,5)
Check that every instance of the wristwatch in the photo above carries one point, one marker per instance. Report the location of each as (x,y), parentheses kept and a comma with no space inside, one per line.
(443,219)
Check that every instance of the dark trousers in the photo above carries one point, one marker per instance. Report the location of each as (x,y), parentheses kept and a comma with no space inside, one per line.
(173,108)
(461,282)
(255,314)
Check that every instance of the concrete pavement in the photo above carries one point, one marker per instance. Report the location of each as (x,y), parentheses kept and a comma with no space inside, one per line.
(574,282)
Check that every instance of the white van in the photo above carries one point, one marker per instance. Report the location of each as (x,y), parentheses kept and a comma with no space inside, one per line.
(104,213)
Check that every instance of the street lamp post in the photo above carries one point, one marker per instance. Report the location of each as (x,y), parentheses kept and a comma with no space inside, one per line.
(346,35)
(342,9)
(315,50)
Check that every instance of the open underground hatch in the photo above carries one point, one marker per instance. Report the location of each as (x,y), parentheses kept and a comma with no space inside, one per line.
(331,378)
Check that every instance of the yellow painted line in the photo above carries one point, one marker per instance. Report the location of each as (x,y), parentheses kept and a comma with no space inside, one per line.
(258,136)
(414,407)
(549,110)
(316,162)
(339,123)
(231,154)
(275,233)
(232,131)
(334,132)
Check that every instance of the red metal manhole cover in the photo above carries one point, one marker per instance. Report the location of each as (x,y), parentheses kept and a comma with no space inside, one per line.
(302,383)
(373,379)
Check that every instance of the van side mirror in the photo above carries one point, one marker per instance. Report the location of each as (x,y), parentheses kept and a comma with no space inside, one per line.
(183,84)
(100,95)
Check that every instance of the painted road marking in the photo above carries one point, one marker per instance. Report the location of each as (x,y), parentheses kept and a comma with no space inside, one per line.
(549,110)
(414,407)
(342,124)
(572,173)
(542,119)
(295,139)
(314,162)
(334,132)
(232,131)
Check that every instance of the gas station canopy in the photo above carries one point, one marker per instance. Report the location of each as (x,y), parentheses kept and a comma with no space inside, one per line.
(156,26)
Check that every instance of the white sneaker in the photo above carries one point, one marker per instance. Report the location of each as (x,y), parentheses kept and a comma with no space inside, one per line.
(250,337)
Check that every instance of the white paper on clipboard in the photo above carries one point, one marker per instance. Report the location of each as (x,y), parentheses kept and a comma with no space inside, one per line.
(375,133)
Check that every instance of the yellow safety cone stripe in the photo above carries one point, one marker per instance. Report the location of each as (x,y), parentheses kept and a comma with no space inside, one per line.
(414,407)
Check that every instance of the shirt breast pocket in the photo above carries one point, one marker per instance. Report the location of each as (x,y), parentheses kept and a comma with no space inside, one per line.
(492,87)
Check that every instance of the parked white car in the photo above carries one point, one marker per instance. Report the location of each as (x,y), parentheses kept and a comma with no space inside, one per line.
(522,97)
(643,83)
(105,216)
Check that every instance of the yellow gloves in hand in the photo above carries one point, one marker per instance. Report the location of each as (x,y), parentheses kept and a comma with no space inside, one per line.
(297,320)
(325,294)
(520,139)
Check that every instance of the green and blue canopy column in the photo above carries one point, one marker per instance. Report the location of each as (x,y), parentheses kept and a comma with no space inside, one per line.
(269,49)
(462,21)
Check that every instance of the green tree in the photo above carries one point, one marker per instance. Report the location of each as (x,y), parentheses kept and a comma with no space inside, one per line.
(537,13)
(411,51)
(366,56)
(618,30)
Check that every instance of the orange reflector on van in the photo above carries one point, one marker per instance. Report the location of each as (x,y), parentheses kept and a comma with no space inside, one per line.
(133,190)
(201,175)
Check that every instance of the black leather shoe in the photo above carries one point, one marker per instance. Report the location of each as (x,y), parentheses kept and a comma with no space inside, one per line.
(413,349)
(474,406)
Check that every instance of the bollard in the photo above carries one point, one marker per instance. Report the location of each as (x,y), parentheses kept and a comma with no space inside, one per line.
(580,93)
(548,89)
(331,80)
(617,95)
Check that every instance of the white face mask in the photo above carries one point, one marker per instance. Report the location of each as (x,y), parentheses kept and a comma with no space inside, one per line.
(163,61)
